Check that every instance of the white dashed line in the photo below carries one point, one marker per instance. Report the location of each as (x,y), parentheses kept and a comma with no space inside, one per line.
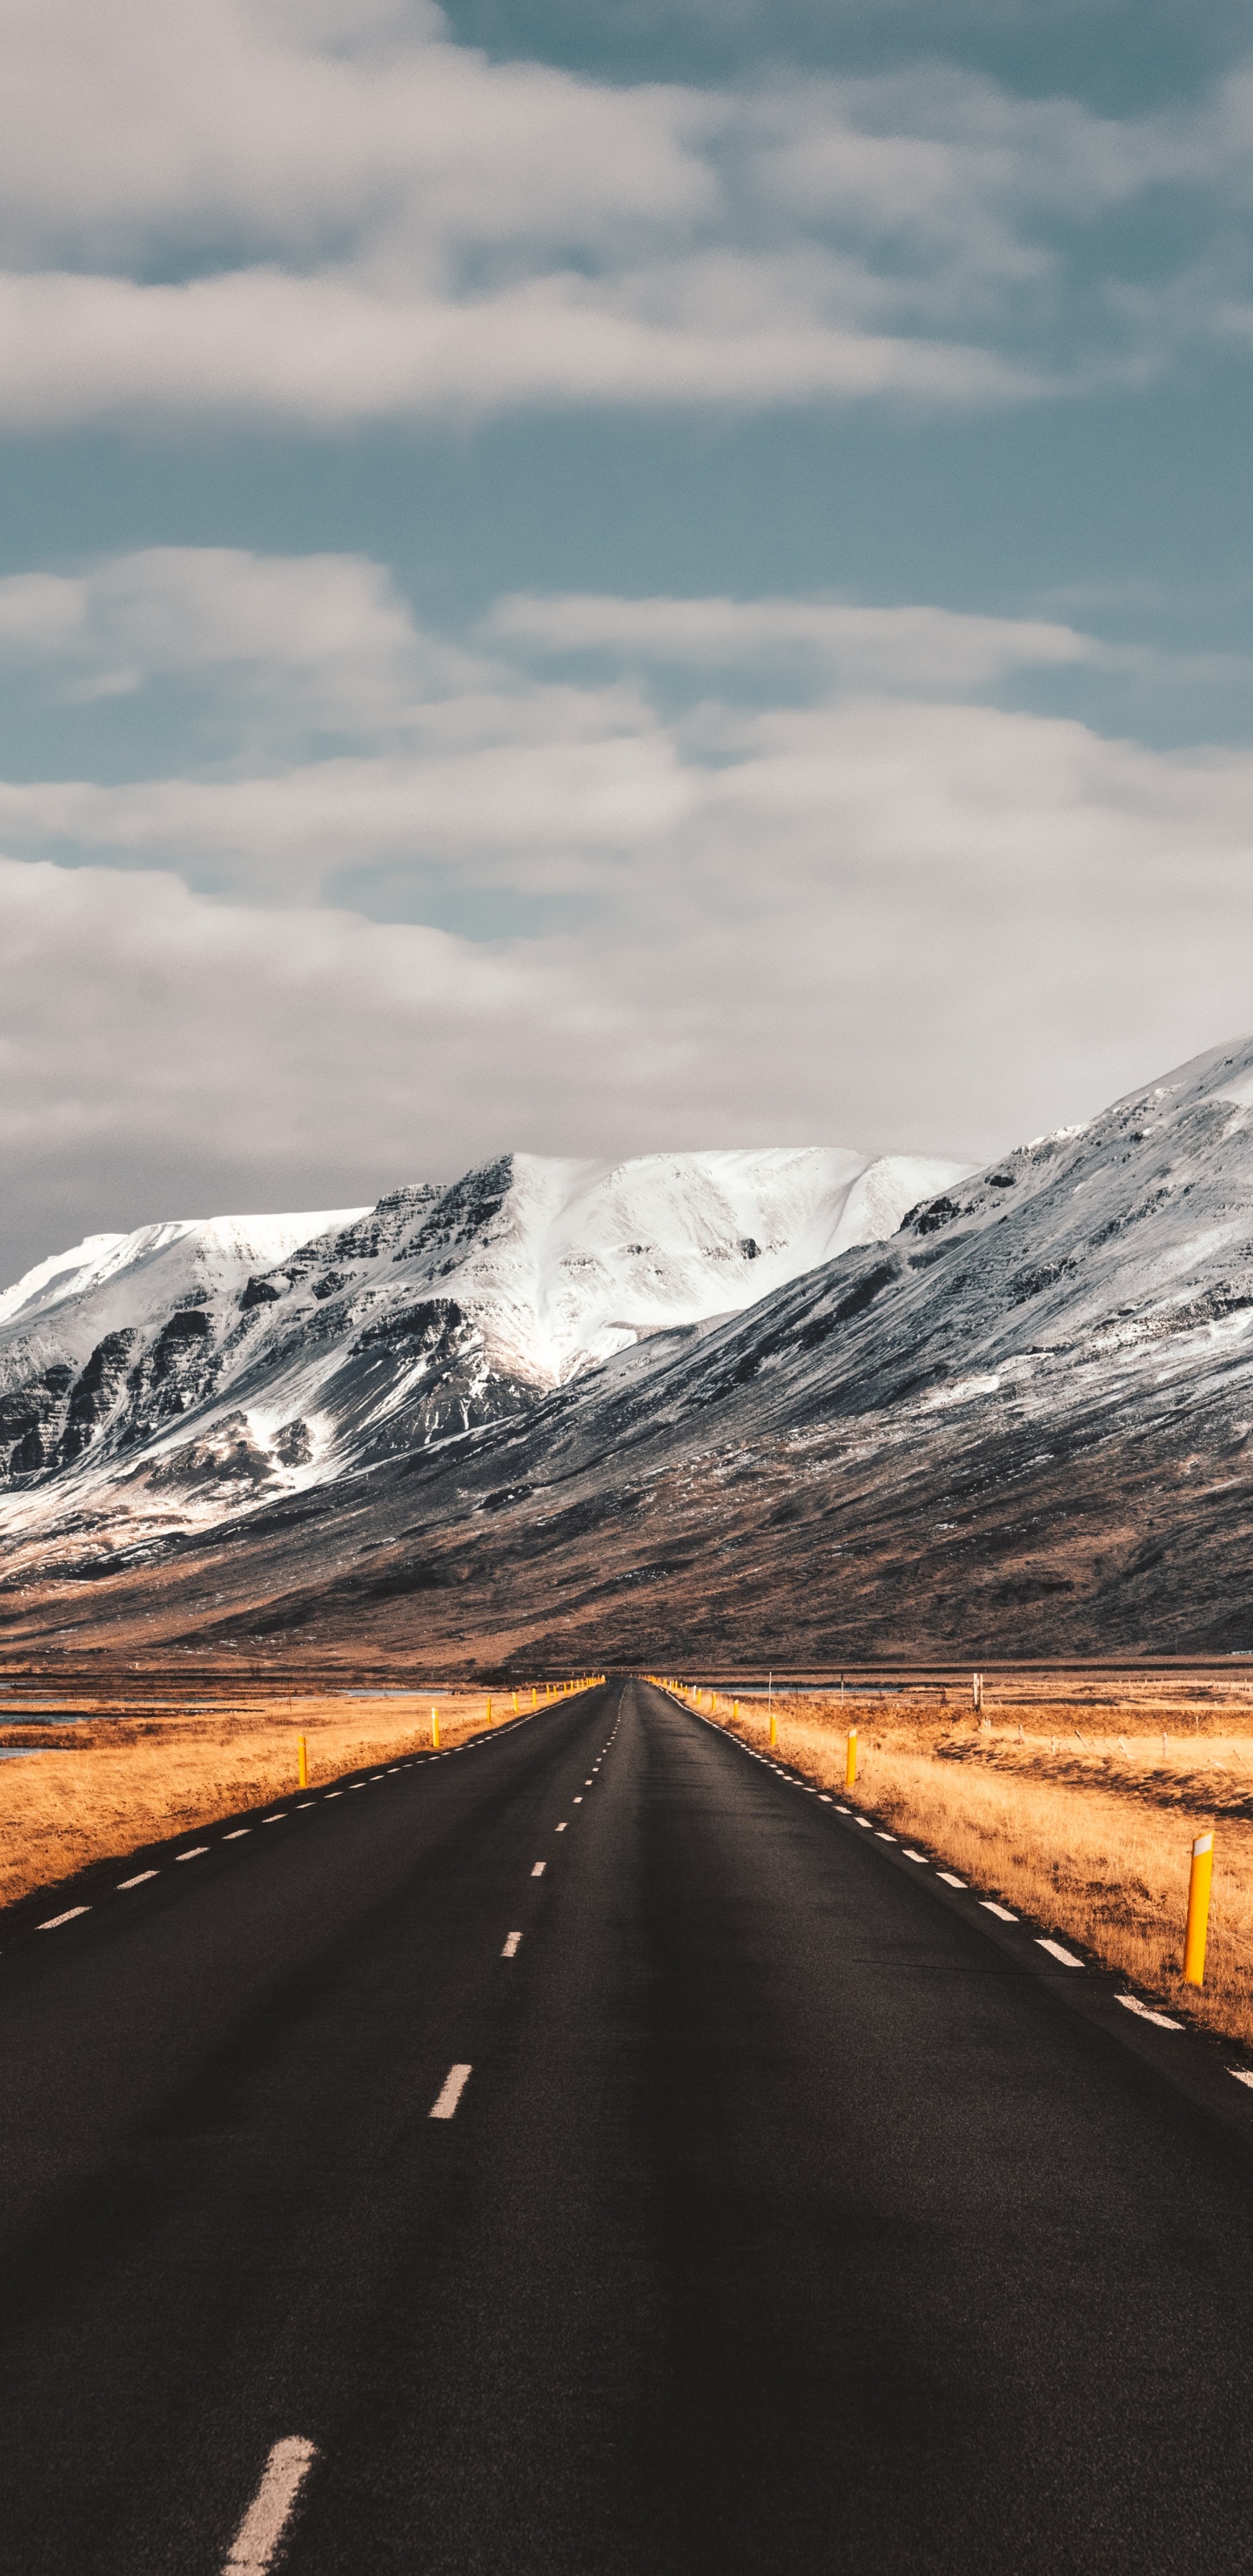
(304,1803)
(1001,1912)
(577,1802)
(948,1878)
(1065,1958)
(865,1820)
(332,1793)
(238,1835)
(450,2092)
(920,1857)
(510,1950)
(124,1883)
(55,1921)
(358,1784)
(263,2526)
(274,1820)
(1241,2074)
(559,1829)
(197,1852)
(825,1799)
(881,1837)
(539,1869)
(842,1811)
(1132,2003)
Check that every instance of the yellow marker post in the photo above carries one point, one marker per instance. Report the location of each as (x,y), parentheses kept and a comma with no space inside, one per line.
(735,1711)
(302,1762)
(434,1728)
(850,1760)
(774,1728)
(1198,1910)
(534,1696)
(489,1712)
(515,1703)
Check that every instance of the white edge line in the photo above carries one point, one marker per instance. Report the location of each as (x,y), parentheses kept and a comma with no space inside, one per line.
(449,2094)
(267,2517)
(1132,2004)
(950,1880)
(1064,1958)
(1001,1912)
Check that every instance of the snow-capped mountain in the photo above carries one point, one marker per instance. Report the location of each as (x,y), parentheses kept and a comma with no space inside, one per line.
(1019,1422)
(209,1361)
(1022,1423)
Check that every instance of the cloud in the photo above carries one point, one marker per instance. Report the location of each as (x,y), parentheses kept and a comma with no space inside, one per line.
(477,769)
(335,349)
(897,648)
(855,918)
(842,900)
(328,634)
(295,132)
(816,921)
(528,816)
(326,217)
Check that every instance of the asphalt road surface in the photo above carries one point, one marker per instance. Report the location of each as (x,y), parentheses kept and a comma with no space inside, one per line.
(790,2218)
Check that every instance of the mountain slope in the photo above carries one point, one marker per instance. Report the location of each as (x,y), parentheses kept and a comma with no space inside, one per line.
(1022,1424)
(188,1368)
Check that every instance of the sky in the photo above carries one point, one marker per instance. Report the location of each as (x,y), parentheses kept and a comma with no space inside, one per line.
(610,579)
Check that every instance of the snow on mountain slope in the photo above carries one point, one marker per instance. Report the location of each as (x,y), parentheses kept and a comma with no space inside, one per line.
(230,1358)
(110,1280)
(562,1263)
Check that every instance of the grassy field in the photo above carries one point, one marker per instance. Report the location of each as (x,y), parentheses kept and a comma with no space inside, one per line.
(1080,1809)
(133,1772)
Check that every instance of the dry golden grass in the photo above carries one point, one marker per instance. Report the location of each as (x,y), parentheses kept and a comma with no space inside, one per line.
(118,1782)
(1091,1838)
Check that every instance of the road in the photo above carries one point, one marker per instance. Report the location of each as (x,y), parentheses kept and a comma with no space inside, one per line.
(790,2218)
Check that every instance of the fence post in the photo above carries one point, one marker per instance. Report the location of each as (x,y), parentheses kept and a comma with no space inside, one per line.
(1198,1910)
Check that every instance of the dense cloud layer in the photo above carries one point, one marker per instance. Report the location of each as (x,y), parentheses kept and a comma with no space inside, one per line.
(727,920)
